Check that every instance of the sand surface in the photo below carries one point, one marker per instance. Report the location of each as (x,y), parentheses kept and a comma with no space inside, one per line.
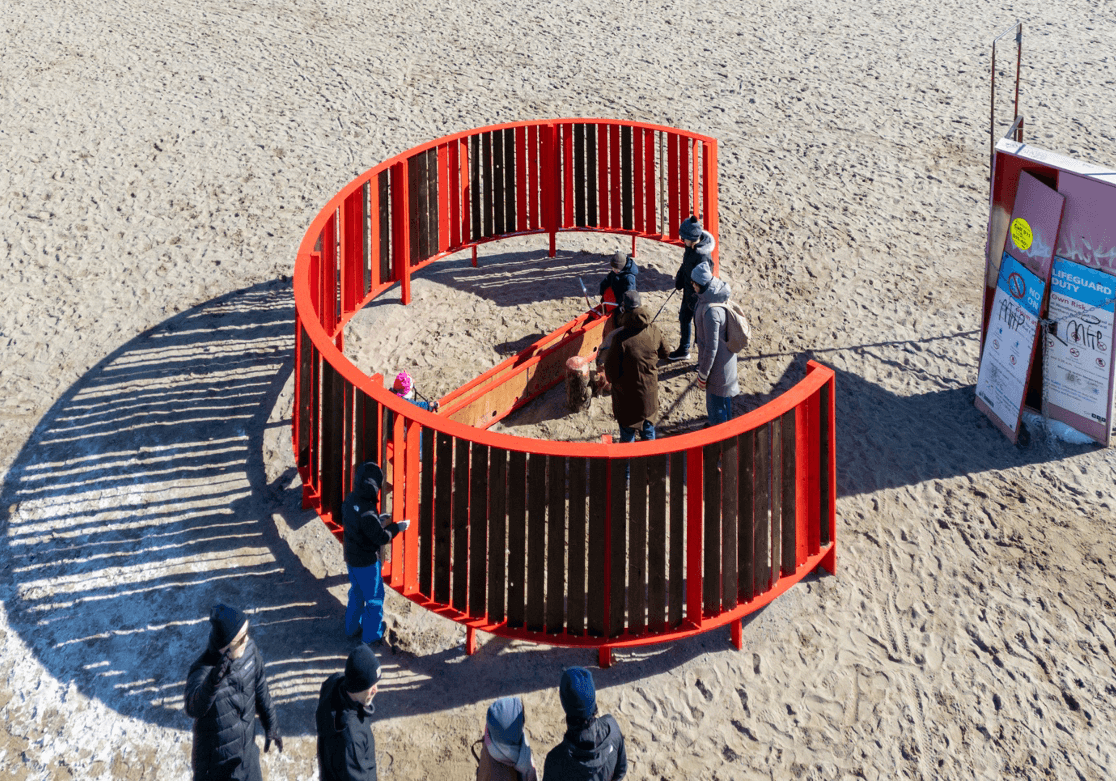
(159,164)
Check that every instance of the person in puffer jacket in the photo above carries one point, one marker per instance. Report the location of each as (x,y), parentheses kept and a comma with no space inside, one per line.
(225,691)
(346,745)
(593,747)
(621,278)
(699,249)
(366,531)
(716,366)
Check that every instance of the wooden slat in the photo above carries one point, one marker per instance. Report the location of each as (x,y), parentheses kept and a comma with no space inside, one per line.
(761,525)
(306,355)
(637,548)
(517,537)
(416,191)
(368,245)
(598,514)
(730,493)
(637,179)
(456,193)
(535,160)
(656,542)
(329,289)
(746,569)
(626,199)
(684,205)
(618,545)
(426,516)
(575,588)
(444,192)
(431,204)
(711,575)
(521,192)
(478,530)
(676,559)
(509,180)
(460,566)
(488,195)
(615,214)
(475,196)
(825,489)
(332,445)
(536,541)
(776,500)
(673,204)
(788,479)
(556,544)
(497,533)
(650,177)
(602,176)
(443,518)
(499,212)
(315,399)
(579,174)
(591,175)
(383,219)
(347,440)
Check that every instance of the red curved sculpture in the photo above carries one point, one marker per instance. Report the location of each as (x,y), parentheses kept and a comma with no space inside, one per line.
(540,540)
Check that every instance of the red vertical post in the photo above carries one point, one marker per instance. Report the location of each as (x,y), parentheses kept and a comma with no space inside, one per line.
(411,510)
(374,230)
(453,171)
(651,174)
(568,178)
(683,185)
(521,179)
(535,161)
(551,191)
(829,563)
(695,181)
(711,206)
(398,499)
(737,634)
(694,536)
(470,641)
(328,312)
(672,185)
(637,182)
(606,586)
(616,216)
(465,190)
(400,227)
(602,176)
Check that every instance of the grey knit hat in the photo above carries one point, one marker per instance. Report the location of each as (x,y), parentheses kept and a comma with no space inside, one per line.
(702,274)
(690,229)
(619,260)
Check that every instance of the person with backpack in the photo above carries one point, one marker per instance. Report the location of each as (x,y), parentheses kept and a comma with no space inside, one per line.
(716,364)
(699,249)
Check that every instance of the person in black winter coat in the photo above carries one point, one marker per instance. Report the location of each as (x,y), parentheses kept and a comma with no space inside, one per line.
(593,747)
(225,691)
(346,746)
(366,531)
(699,249)
(621,278)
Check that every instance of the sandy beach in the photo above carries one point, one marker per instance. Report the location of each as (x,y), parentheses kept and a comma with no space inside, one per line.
(159,165)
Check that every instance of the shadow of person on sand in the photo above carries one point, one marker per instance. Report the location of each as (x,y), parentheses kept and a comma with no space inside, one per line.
(142,498)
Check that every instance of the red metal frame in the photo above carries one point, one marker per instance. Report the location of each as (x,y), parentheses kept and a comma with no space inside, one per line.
(543,201)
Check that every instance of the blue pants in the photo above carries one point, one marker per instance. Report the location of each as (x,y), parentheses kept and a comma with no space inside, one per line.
(719,408)
(646,431)
(685,324)
(365,612)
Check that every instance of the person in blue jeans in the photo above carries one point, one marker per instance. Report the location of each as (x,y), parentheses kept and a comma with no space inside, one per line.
(716,364)
(699,245)
(366,531)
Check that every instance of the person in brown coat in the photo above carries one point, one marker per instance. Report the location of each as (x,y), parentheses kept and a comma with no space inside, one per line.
(631,365)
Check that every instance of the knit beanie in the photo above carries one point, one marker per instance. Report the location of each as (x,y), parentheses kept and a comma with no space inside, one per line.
(619,260)
(629,301)
(369,478)
(690,229)
(702,274)
(362,669)
(403,383)
(226,624)
(577,693)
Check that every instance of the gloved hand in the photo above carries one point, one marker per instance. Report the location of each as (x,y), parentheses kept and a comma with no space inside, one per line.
(434,407)
(273,737)
(403,525)
(702,381)
(224,667)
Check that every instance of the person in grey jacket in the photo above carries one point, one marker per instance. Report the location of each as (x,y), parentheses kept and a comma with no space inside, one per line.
(716,366)
(225,691)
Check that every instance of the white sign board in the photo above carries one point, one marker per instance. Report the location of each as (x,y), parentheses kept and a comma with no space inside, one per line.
(1009,346)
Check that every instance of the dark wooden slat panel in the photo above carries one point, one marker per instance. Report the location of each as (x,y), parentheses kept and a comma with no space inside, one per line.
(536,541)
(618,544)
(579,174)
(824,488)
(729,498)
(517,537)
(498,197)
(509,180)
(746,558)
(334,492)
(656,542)
(431,244)
(426,515)
(497,533)
(460,566)
(305,396)
(776,500)
(347,440)
(575,589)
(677,553)
(761,526)
(789,481)
(489,197)
(626,177)
(598,512)
(383,217)
(478,530)
(711,575)
(637,548)
(475,195)
(416,197)
(443,518)
(556,544)
(591,175)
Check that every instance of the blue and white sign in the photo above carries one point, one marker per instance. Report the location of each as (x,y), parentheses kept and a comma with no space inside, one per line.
(1010,343)
(1080,350)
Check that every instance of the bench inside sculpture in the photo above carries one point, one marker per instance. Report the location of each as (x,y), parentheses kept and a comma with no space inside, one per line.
(572,543)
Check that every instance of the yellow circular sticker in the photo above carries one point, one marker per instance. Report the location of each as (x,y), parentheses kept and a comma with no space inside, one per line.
(1021,233)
